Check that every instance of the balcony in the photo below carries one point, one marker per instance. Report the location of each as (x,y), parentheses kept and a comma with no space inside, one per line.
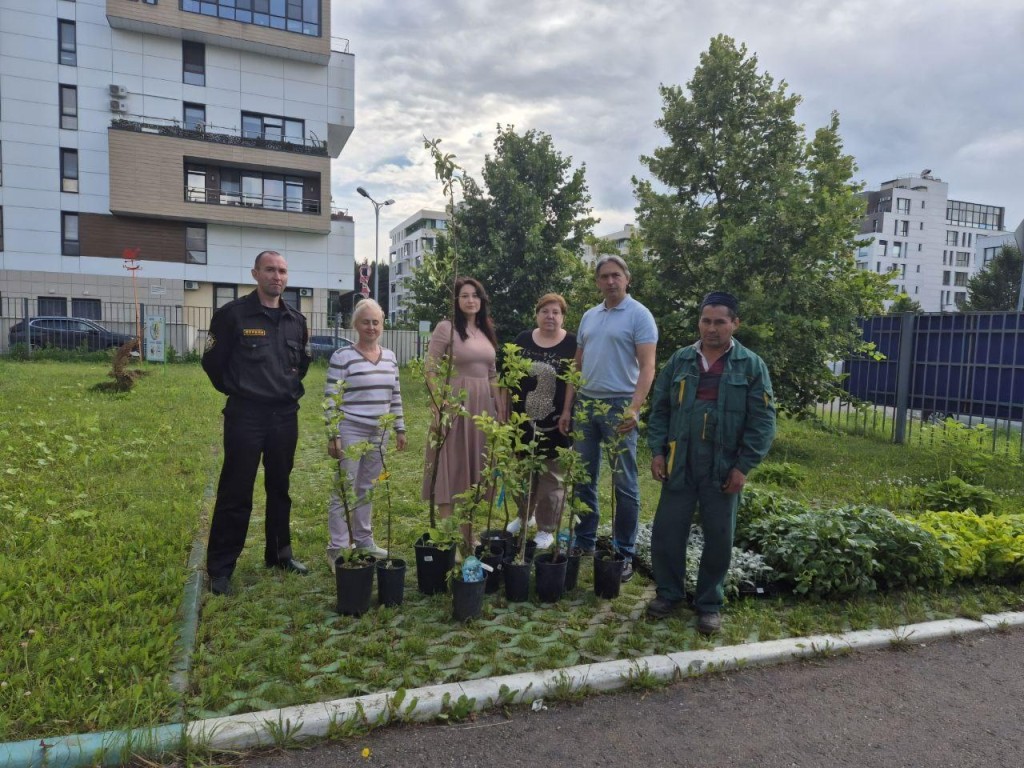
(307,145)
(167,19)
(147,178)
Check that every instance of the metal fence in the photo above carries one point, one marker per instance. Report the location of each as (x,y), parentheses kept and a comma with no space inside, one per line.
(185,327)
(968,367)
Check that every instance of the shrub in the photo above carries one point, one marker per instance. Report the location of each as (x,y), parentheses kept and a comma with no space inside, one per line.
(977,546)
(758,504)
(847,551)
(956,495)
(782,474)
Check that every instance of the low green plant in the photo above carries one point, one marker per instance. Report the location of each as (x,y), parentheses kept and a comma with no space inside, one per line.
(956,495)
(781,473)
(977,546)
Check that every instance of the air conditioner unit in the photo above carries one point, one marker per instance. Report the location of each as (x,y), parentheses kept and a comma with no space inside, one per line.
(116,105)
(118,90)
(305,291)
(191,285)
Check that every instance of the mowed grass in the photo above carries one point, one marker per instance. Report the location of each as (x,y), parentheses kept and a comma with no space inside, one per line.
(102,496)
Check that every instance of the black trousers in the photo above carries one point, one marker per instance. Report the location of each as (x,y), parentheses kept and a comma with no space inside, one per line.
(252,431)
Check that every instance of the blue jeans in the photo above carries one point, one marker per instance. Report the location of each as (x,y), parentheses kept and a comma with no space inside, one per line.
(598,429)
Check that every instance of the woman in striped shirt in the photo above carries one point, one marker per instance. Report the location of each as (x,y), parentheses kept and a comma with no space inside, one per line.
(366,376)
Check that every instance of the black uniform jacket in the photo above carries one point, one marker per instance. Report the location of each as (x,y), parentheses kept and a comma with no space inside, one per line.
(250,357)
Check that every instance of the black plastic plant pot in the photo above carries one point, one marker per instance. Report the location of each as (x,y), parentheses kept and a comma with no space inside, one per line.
(355,585)
(432,566)
(572,571)
(467,599)
(531,550)
(391,582)
(493,579)
(608,574)
(550,577)
(498,541)
(517,582)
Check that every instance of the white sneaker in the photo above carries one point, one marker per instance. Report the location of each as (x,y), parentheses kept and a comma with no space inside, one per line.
(516,524)
(372,549)
(544,539)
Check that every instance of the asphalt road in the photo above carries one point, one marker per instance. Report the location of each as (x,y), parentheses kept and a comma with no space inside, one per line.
(955,703)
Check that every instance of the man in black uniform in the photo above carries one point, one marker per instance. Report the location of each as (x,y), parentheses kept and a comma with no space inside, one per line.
(256,354)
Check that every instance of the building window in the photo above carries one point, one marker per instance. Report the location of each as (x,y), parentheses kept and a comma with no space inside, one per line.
(69,245)
(990,253)
(52,306)
(88,308)
(252,189)
(1,164)
(194,116)
(273,128)
(945,277)
(974,215)
(193,63)
(885,247)
(897,249)
(960,298)
(1,227)
(67,47)
(222,294)
(902,205)
(963,258)
(952,237)
(901,228)
(960,279)
(290,296)
(68,107)
(195,244)
(68,170)
(300,16)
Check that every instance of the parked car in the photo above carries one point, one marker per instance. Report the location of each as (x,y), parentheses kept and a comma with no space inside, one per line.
(65,333)
(322,347)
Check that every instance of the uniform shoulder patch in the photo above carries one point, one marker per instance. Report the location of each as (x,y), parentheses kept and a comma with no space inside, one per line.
(211,342)
(254,331)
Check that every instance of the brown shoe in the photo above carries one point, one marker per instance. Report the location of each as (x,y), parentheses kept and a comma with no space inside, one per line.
(709,623)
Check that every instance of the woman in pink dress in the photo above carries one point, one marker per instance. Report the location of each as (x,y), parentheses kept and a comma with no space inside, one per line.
(472,345)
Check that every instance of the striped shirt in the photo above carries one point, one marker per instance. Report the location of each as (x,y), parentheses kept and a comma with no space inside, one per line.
(369,390)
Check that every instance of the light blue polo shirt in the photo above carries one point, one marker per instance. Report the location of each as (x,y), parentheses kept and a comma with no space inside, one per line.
(609,338)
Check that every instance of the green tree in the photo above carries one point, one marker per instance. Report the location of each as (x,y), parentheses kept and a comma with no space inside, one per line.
(997,286)
(522,231)
(904,303)
(745,203)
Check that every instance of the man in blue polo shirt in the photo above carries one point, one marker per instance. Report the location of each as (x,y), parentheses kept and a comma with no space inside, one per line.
(617,341)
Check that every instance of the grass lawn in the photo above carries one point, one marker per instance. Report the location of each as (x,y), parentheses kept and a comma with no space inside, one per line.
(102,495)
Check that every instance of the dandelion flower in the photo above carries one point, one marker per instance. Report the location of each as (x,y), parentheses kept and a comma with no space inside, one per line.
(366,752)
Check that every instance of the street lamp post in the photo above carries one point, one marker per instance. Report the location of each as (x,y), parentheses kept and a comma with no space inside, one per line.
(376,238)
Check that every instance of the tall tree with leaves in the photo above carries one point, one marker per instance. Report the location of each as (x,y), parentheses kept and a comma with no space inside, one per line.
(745,203)
(522,229)
(997,286)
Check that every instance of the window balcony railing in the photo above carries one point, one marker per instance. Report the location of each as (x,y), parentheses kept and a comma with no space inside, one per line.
(251,200)
(306,145)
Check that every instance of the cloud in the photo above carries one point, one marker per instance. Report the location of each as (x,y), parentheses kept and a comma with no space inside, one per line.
(917,85)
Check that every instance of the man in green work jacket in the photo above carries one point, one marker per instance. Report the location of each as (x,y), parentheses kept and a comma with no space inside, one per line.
(712,421)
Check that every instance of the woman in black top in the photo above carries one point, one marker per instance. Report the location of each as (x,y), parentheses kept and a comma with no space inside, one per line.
(551,350)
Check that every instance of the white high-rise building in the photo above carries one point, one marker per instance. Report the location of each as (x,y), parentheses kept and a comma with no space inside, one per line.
(199,133)
(927,239)
(410,241)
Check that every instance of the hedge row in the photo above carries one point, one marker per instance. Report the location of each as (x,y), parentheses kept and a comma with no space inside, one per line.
(856,549)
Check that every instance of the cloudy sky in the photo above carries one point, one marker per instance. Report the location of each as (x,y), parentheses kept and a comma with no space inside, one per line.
(917,84)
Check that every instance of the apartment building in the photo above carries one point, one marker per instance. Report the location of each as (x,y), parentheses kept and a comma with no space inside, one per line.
(927,240)
(410,241)
(199,133)
(620,239)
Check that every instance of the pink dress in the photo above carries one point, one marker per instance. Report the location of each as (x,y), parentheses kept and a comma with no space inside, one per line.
(462,455)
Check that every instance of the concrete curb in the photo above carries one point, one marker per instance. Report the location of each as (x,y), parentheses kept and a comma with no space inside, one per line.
(315,721)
